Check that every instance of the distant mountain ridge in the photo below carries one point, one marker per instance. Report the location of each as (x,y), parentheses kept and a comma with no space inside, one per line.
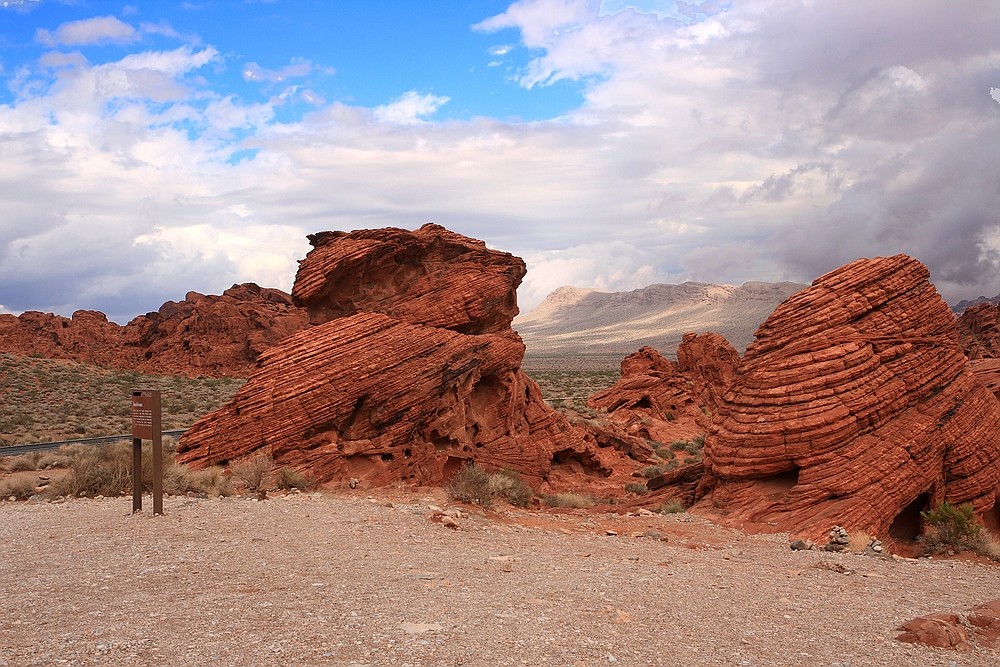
(965,304)
(574,320)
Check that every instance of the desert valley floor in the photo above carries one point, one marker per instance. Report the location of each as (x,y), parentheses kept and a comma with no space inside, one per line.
(316,579)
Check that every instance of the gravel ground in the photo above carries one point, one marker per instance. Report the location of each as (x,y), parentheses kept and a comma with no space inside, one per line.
(324,580)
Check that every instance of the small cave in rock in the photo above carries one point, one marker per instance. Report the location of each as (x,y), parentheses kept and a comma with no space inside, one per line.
(778,486)
(452,466)
(387,457)
(907,524)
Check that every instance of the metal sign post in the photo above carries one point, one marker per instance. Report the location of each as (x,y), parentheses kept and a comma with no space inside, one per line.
(146,426)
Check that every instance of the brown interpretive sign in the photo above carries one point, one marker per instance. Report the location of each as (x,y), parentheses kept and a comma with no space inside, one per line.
(146,426)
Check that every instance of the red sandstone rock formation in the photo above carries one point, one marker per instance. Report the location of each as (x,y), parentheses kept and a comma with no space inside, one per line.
(979,334)
(410,370)
(663,400)
(855,406)
(202,335)
(214,335)
(87,337)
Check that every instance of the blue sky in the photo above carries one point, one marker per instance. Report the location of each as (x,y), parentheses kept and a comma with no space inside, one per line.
(151,148)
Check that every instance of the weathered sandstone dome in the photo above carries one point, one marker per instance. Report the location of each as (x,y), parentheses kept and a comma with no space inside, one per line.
(410,370)
(854,406)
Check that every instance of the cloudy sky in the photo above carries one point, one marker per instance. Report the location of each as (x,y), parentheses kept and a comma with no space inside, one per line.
(151,148)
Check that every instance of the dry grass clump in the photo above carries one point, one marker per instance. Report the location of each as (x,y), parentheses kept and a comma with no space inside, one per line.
(254,470)
(287,479)
(571,500)
(107,471)
(472,484)
(638,488)
(858,541)
(672,506)
(23,462)
(19,487)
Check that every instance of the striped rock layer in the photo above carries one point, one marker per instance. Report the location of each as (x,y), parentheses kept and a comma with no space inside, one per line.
(409,371)
(854,406)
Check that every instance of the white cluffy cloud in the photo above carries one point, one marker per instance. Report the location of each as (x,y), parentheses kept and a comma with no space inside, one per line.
(104,29)
(410,108)
(759,140)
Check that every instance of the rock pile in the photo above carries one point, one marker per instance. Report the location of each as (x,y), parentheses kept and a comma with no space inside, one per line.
(409,370)
(838,541)
(855,405)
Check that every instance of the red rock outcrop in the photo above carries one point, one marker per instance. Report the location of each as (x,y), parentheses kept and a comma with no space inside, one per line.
(410,370)
(940,630)
(87,337)
(202,335)
(854,406)
(214,335)
(664,400)
(979,335)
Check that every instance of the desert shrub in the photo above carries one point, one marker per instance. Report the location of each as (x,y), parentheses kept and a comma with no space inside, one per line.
(986,545)
(663,452)
(95,471)
(699,441)
(679,445)
(471,484)
(53,460)
(858,541)
(508,484)
(211,482)
(23,462)
(949,528)
(289,478)
(637,488)
(20,487)
(649,472)
(672,506)
(573,500)
(253,469)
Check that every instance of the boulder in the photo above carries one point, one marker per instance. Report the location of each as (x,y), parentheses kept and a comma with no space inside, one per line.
(856,406)
(985,622)
(940,630)
(409,371)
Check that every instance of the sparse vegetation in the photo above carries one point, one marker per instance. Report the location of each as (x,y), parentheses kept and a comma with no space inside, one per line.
(572,500)
(20,487)
(289,478)
(649,472)
(637,488)
(472,484)
(254,470)
(42,400)
(858,541)
(672,506)
(568,390)
(953,528)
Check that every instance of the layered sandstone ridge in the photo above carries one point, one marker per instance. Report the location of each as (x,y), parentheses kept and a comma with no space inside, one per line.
(203,335)
(854,406)
(410,370)
(576,321)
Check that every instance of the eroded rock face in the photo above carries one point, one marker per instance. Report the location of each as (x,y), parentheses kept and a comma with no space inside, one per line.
(214,335)
(202,335)
(854,406)
(410,370)
(979,334)
(664,400)
(431,276)
(87,337)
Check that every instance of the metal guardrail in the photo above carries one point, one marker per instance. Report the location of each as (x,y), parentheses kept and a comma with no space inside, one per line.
(15,450)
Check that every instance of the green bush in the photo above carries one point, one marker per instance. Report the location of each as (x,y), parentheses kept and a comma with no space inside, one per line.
(949,528)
